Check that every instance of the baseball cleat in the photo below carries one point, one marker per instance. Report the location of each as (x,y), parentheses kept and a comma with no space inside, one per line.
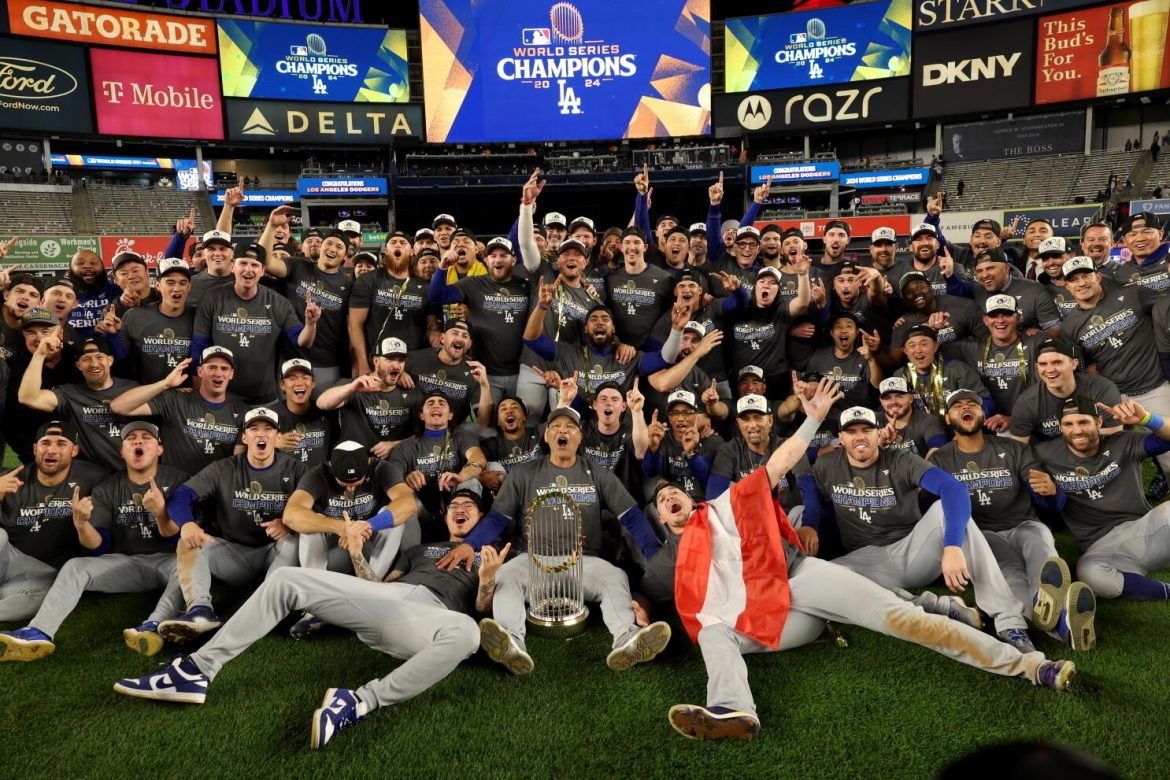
(1050,595)
(695,722)
(180,682)
(306,626)
(503,648)
(192,623)
(144,639)
(1017,638)
(1079,616)
(338,710)
(1057,675)
(957,609)
(644,645)
(25,644)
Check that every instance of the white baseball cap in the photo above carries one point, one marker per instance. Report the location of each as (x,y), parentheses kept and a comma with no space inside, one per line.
(443,219)
(681,397)
(1055,244)
(755,371)
(168,264)
(697,327)
(697,227)
(893,384)
(498,241)
(1001,303)
(751,403)
(578,221)
(858,414)
(883,234)
(768,270)
(350,226)
(217,237)
(219,352)
(555,218)
(295,364)
(925,228)
(262,413)
(747,230)
(392,346)
(1077,264)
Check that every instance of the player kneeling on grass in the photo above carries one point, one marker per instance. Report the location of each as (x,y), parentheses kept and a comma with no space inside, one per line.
(778,598)
(125,527)
(421,615)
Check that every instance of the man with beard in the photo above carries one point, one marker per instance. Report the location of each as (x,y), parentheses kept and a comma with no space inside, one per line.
(36,511)
(95,292)
(681,452)
(352,230)
(594,490)
(721,234)
(497,309)
(87,403)
(217,271)
(1036,411)
(931,261)
(803,337)
(686,374)
(201,426)
(460,260)
(836,241)
(874,496)
(952,318)
(447,370)
(697,245)
(986,235)
(994,275)
(424,238)
(23,292)
(350,495)
(306,431)
(438,460)
(610,438)
(1142,234)
(999,474)
(860,291)
(58,368)
(1097,482)
(848,363)
(758,331)
(513,444)
(377,410)
(132,278)
(420,615)
(1004,359)
(1097,243)
(330,284)
(906,426)
(388,302)
(1052,280)
(156,337)
(638,293)
(130,540)
(743,262)
(738,458)
(1036,232)
(883,249)
(250,320)
(249,492)
(930,376)
(311,243)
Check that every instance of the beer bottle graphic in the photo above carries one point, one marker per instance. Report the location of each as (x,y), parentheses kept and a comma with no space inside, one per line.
(1113,74)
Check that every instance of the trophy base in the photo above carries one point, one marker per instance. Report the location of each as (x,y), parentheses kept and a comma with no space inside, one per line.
(559,629)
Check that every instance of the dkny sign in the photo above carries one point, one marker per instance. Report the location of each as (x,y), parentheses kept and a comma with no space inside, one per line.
(957,72)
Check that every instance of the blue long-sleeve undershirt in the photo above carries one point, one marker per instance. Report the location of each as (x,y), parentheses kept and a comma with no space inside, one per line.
(642,218)
(107,537)
(179,505)
(1054,503)
(1155,446)
(956,504)
(441,292)
(714,234)
(487,530)
(175,247)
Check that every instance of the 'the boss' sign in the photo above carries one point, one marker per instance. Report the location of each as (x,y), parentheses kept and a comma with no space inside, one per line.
(156,95)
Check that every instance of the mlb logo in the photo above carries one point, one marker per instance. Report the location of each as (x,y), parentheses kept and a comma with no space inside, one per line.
(537,36)
(298,51)
(798,38)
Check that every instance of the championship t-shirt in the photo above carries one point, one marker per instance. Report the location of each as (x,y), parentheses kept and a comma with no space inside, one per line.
(100,429)
(39,519)
(497,314)
(396,307)
(455,383)
(431,454)
(455,588)
(331,292)
(876,505)
(156,343)
(1036,412)
(196,432)
(997,479)
(916,435)
(117,507)
(637,301)
(245,497)
(735,462)
(361,502)
(1118,336)
(511,453)
(318,432)
(368,418)
(1005,370)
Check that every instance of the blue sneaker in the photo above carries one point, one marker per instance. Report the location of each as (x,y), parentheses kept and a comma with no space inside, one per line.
(180,682)
(338,710)
(695,722)
(1050,596)
(191,624)
(308,624)
(1078,617)
(1018,638)
(25,644)
(144,639)
(1057,675)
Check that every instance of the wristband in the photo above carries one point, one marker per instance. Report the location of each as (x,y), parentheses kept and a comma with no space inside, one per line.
(543,306)
(1153,421)
(382,520)
(808,429)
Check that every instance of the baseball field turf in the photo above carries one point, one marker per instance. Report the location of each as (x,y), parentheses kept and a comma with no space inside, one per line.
(879,708)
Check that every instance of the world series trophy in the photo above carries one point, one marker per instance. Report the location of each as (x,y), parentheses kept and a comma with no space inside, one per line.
(556,590)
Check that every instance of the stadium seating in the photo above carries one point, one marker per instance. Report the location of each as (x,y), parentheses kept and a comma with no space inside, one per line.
(1097,168)
(37,213)
(1048,180)
(140,211)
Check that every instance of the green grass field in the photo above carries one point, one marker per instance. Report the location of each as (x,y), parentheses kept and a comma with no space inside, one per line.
(878,708)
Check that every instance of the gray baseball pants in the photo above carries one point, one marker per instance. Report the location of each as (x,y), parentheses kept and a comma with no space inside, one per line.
(603,582)
(916,559)
(24,581)
(234,563)
(1136,546)
(405,621)
(112,573)
(320,550)
(1020,553)
(822,591)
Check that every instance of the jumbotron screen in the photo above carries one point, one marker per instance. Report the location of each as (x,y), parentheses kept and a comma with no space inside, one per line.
(542,70)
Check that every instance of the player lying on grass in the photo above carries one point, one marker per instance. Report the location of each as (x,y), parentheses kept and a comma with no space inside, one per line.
(778,598)
(420,614)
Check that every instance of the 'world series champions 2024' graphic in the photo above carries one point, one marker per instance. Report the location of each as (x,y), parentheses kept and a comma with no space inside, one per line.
(537,70)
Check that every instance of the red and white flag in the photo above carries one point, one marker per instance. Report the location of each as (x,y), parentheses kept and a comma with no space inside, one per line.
(731,568)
